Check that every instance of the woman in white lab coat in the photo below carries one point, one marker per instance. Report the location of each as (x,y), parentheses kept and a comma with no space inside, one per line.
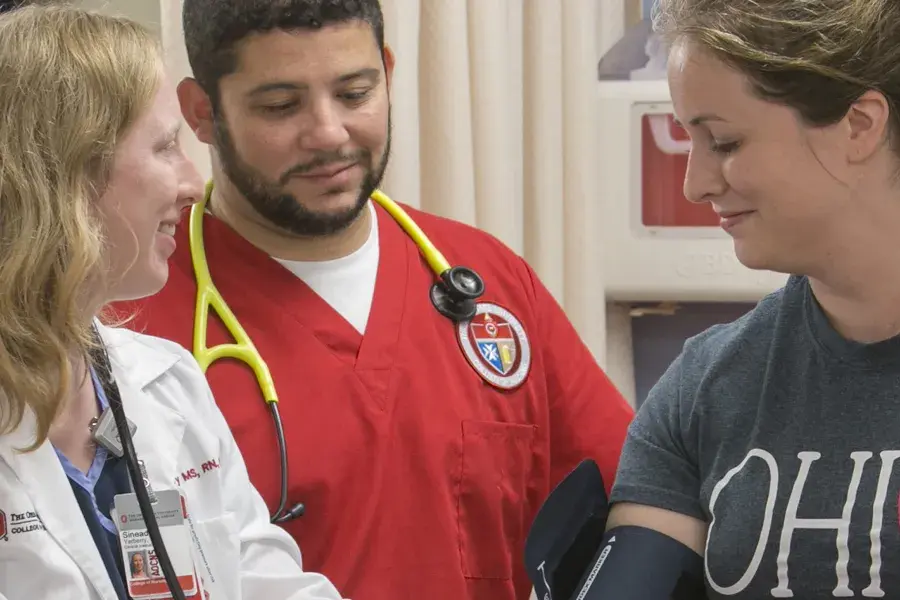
(92,182)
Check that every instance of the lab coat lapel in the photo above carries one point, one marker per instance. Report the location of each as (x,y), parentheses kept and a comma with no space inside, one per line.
(160,427)
(45,482)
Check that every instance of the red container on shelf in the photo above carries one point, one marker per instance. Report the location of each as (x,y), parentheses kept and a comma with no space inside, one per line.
(664,156)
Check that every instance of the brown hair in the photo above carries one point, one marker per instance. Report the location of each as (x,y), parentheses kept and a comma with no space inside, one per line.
(815,56)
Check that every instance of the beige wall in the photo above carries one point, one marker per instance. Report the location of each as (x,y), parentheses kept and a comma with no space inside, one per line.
(145,12)
(632,12)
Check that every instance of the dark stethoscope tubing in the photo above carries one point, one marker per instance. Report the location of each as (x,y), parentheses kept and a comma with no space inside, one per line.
(137,478)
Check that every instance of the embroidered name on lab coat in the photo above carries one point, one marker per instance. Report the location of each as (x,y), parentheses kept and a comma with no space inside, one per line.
(14,523)
(197,472)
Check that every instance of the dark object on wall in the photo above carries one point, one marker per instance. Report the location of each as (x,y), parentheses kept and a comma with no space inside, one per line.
(658,339)
(8,5)
(626,55)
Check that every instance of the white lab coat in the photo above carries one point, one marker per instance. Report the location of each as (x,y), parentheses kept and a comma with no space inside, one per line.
(179,428)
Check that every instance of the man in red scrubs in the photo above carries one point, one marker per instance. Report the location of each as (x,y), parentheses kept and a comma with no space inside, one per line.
(421,448)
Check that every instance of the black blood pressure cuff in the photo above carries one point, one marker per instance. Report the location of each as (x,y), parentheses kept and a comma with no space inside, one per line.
(566,533)
(569,556)
(635,563)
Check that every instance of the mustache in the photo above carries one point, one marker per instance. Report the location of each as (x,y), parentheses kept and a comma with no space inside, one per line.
(325,160)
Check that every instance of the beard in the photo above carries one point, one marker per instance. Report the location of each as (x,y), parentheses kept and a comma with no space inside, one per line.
(281,208)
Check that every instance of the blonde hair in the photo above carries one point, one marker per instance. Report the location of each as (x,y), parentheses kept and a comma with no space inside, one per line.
(815,56)
(72,82)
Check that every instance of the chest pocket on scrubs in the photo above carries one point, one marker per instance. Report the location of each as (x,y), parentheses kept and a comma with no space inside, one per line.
(496,464)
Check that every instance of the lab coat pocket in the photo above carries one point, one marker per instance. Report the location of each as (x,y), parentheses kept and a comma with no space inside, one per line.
(220,556)
(496,464)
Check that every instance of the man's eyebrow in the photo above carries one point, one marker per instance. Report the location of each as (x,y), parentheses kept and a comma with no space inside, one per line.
(286,86)
(275,86)
(368,73)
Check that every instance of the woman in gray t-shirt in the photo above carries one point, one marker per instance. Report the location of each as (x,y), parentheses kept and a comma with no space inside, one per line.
(769,446)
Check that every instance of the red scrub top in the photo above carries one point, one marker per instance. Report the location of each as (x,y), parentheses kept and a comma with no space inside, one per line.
(420,479)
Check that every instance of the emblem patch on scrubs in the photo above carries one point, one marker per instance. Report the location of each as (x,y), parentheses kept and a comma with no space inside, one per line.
(495,344)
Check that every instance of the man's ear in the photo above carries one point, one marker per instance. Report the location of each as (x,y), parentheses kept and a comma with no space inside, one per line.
(196,108)
(388,64)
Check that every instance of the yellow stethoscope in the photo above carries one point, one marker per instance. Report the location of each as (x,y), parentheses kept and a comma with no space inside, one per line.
(454,295)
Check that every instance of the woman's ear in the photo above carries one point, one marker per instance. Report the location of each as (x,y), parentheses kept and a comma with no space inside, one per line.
(868,122)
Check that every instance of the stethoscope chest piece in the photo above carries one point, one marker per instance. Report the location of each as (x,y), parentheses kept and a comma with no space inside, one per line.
(455,295)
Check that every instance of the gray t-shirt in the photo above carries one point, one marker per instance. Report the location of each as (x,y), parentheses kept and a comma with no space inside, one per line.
(784,437)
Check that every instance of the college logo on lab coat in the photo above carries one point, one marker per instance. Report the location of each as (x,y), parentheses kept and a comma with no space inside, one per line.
(495,344)
(3,526)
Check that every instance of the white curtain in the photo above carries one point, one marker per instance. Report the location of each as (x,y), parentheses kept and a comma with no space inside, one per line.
(494,125)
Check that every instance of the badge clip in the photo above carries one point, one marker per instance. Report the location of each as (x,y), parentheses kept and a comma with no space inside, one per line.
(105,432)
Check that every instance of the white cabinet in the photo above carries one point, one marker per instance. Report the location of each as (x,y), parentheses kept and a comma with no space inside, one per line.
(659,246)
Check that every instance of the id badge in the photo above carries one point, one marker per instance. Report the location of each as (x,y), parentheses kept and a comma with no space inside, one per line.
(144,576)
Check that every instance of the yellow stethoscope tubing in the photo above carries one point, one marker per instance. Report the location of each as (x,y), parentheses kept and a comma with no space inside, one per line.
(209,296)
(432,255)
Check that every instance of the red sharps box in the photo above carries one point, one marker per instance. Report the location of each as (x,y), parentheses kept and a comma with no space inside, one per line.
(664,156)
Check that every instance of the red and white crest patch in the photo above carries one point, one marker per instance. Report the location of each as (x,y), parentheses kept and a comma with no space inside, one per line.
(496,345)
